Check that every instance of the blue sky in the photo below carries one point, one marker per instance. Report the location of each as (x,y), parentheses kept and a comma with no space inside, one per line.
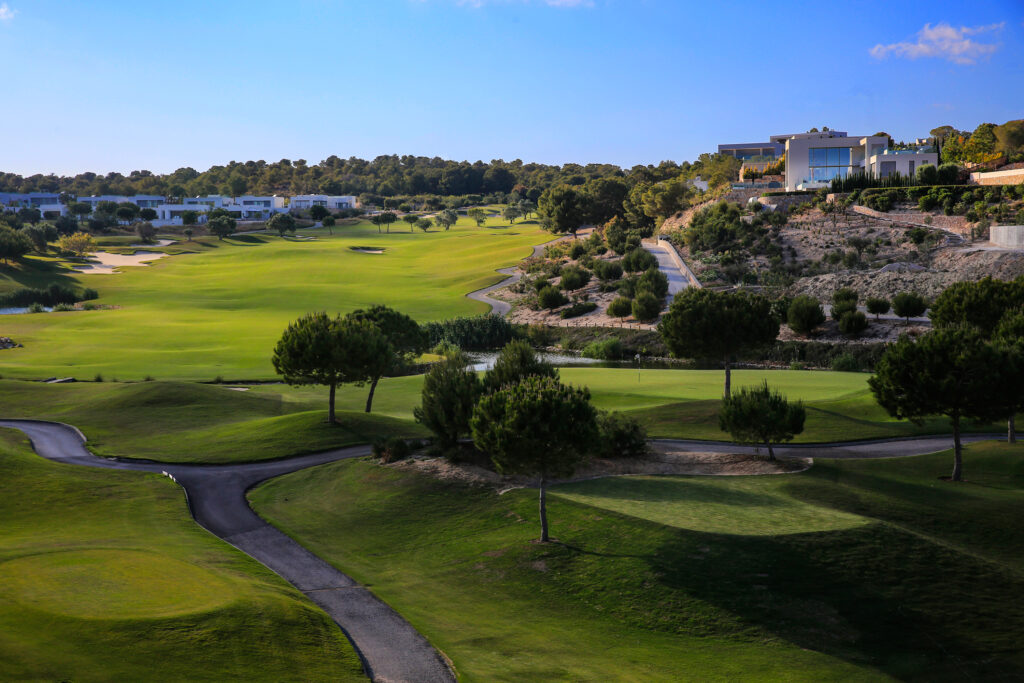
(119,86)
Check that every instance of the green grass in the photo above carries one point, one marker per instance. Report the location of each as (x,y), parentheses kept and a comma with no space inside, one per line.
(189,422)
(853,570)
(219,307)
(104,576)
(192,422)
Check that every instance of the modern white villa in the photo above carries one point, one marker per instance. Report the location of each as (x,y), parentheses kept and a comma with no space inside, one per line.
(814,159)
(334,203)
(46,202)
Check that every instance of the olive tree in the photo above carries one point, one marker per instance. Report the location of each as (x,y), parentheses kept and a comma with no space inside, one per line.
(537,427)
(761,415)
(318,349)
(705,324)
(221,226)
(282,223)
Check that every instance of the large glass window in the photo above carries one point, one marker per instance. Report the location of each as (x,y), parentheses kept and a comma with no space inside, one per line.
(826,163)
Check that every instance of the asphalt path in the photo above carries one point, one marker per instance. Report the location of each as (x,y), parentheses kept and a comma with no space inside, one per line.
(677,281)
(390,648)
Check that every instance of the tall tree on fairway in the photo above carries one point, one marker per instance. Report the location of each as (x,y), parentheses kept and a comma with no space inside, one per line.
(406,337)
(536,427)
(446,218)
(705,324)
(761,415)
(318,349)
(221,226)
(411,219)
(282,223)
(949,371)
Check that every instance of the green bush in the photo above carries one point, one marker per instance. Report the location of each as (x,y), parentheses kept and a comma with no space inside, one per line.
(804,314)
(574,277)
(653,281)
(638,259)
(391,450)
(60,308)
(620,436)
(842,308)
(845,363)
(621,307)
(646,307)
(551,298)
(577,250)
(577,309)
(476,333)
(853,323)
(845,294)
(607,270)
(609,349)
(909,305)
(877,306)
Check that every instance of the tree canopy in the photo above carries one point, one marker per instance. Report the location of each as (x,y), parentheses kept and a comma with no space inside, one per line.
(701,323)
(536,427)
(761,415)
(318,349)
(407,340)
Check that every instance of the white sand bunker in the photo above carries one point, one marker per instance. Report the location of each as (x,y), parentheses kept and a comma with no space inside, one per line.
(103,262)
(368,250)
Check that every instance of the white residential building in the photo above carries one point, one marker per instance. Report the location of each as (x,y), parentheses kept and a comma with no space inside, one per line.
(46,202)
(247,208)
(334,203)
(814,159)
(143,201)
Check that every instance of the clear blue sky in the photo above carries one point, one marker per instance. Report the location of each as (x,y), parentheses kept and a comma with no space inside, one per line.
(119,86)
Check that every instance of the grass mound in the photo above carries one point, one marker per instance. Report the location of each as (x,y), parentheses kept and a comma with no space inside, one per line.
(852,570)
(104,576)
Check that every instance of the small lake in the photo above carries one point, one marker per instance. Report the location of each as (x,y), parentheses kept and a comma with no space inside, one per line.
(18,311)
(484,360)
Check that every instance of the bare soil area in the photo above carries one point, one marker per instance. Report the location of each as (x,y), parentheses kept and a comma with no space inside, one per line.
(662,459)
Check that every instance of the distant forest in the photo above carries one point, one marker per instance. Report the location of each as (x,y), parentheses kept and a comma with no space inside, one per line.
(385,176)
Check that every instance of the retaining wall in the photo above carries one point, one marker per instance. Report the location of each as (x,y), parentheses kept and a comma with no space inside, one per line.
(1011,177)
(1009,236)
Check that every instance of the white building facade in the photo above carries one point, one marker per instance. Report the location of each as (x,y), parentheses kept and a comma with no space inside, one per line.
(332,202)
(814,159)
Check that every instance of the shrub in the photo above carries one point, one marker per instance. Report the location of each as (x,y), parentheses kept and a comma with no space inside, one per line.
(845,294)
(60,308)
(577,250)
(653,281)
(574,277)
(609,349)
(845,363)
(541,335)
(391,450)
(476,333)
(842,308)
(909,305)
(804,314)
(646,307)
(877,306)
(514,363)
(620,307)
(853,323)
(550,298)
(607,270)
(620,436)
(638,259)
(577,309)
(51,296)
(36,308)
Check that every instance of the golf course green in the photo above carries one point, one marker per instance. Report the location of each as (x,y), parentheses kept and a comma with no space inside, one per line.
(218,307)
(104,576)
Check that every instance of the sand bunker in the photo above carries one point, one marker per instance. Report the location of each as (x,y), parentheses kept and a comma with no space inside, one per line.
(368,250)
(103,262)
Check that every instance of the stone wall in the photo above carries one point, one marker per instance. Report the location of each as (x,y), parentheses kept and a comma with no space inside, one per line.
(1009,236)
(1011,177)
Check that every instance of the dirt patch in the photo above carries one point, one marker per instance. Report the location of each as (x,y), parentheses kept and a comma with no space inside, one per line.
(662,459)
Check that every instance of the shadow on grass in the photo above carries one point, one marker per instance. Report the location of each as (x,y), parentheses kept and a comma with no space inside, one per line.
(37,273)
(873,595)
(667,490)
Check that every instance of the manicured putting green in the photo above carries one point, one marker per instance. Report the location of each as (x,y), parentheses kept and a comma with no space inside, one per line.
(112,584)
(744,506)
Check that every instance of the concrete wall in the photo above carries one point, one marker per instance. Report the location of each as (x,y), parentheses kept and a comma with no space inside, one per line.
(1013,177)
(1009,236)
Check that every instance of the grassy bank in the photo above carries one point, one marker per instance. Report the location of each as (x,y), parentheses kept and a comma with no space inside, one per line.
(850,571)
(191,422)
(104,576)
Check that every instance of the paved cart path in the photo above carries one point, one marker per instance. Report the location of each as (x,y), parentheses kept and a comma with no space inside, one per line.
(391,649)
